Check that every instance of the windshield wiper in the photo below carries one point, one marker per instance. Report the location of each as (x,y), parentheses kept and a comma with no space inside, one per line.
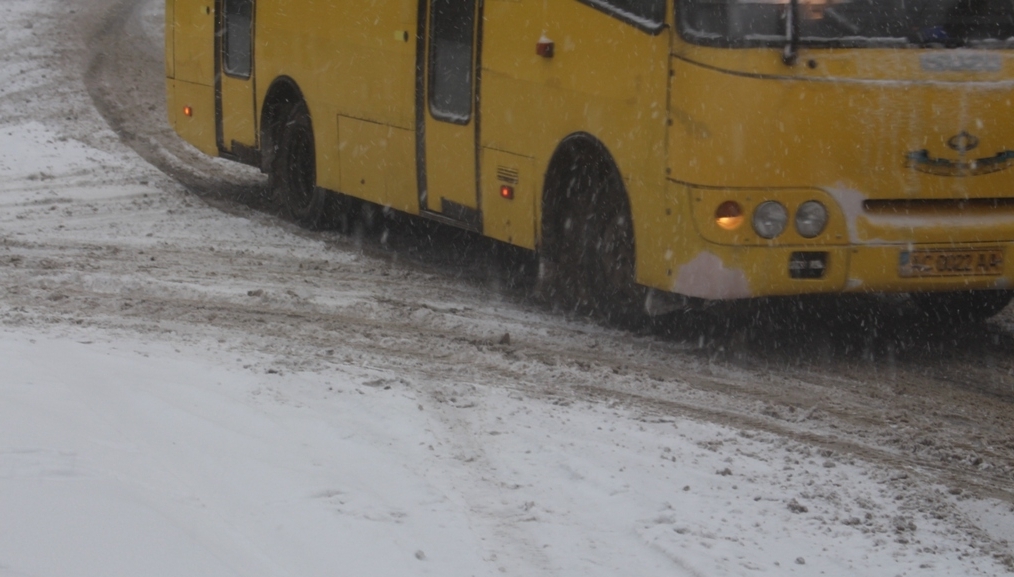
(791,51)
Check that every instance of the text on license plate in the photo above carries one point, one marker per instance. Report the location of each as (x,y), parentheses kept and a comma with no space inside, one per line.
(981,262)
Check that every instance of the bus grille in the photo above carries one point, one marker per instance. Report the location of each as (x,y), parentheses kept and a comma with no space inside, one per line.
(939,207)
(508,175)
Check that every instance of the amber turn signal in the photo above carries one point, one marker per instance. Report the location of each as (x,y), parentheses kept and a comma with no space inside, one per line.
(729,215)
(187,111)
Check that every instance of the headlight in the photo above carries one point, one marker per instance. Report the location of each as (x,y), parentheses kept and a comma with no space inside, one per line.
(811,218)
(769,219)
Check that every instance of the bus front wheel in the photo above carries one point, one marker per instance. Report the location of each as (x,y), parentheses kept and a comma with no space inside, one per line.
(294,170)
(594,246)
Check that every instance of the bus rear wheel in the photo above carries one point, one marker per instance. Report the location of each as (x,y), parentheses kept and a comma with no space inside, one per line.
(962,307)
(294,170)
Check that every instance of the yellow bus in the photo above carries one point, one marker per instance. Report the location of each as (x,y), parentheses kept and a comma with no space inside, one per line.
(651,151)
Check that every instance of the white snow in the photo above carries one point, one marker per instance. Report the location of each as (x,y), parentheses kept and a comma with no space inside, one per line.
(143,453)
(125,456)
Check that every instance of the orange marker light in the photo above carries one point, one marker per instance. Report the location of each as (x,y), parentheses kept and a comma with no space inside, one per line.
(729,215)
(507,192)
(187,111)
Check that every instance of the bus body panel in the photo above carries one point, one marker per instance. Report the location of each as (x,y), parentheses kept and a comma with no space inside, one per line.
(199,127)
(239,123)
(509,214)
(735,131)
(378,163)
(190,95)
(450,164)
(194,41)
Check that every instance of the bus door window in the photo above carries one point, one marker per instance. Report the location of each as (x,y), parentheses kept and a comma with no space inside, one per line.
(236,130)
(452,25)
(238,41)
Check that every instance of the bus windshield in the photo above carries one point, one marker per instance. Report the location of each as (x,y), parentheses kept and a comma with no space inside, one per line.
(918,23)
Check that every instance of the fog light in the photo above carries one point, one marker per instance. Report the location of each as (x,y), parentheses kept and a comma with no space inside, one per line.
(811,218)
(770,219)
(729,215)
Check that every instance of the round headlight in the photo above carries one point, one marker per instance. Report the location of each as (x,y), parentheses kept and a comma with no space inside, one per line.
(811,218)
(769,219)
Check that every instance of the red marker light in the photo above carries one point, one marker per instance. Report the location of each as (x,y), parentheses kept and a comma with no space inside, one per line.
(545,47)
(187,111)
(507,192)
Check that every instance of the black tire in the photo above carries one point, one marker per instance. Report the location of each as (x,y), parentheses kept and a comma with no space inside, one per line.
(618,297)
(962,307)
(571,234)
(294,169)
(592,247)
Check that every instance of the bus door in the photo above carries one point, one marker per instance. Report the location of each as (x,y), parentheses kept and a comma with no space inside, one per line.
(235,109)
(447,156)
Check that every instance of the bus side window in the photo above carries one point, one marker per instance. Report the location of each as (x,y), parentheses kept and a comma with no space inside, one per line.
(238,41)
(648,15)
(451,27)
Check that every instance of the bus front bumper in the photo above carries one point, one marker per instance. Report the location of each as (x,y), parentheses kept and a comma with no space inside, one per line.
(720,272)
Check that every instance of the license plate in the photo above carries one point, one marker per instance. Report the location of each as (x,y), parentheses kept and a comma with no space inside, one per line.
(946,262)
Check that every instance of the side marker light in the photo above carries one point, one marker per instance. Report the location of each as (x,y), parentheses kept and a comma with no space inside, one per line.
(507,192)
(545,47)
(188,111)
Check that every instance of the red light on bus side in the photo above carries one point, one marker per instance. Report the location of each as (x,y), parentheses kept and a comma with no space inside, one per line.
(507,192)
(545,47)
(188,111)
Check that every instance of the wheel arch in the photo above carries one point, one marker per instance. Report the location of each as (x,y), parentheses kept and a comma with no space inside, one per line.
(575,148)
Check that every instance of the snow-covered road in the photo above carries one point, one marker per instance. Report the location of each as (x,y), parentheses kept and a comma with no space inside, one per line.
(190,385)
